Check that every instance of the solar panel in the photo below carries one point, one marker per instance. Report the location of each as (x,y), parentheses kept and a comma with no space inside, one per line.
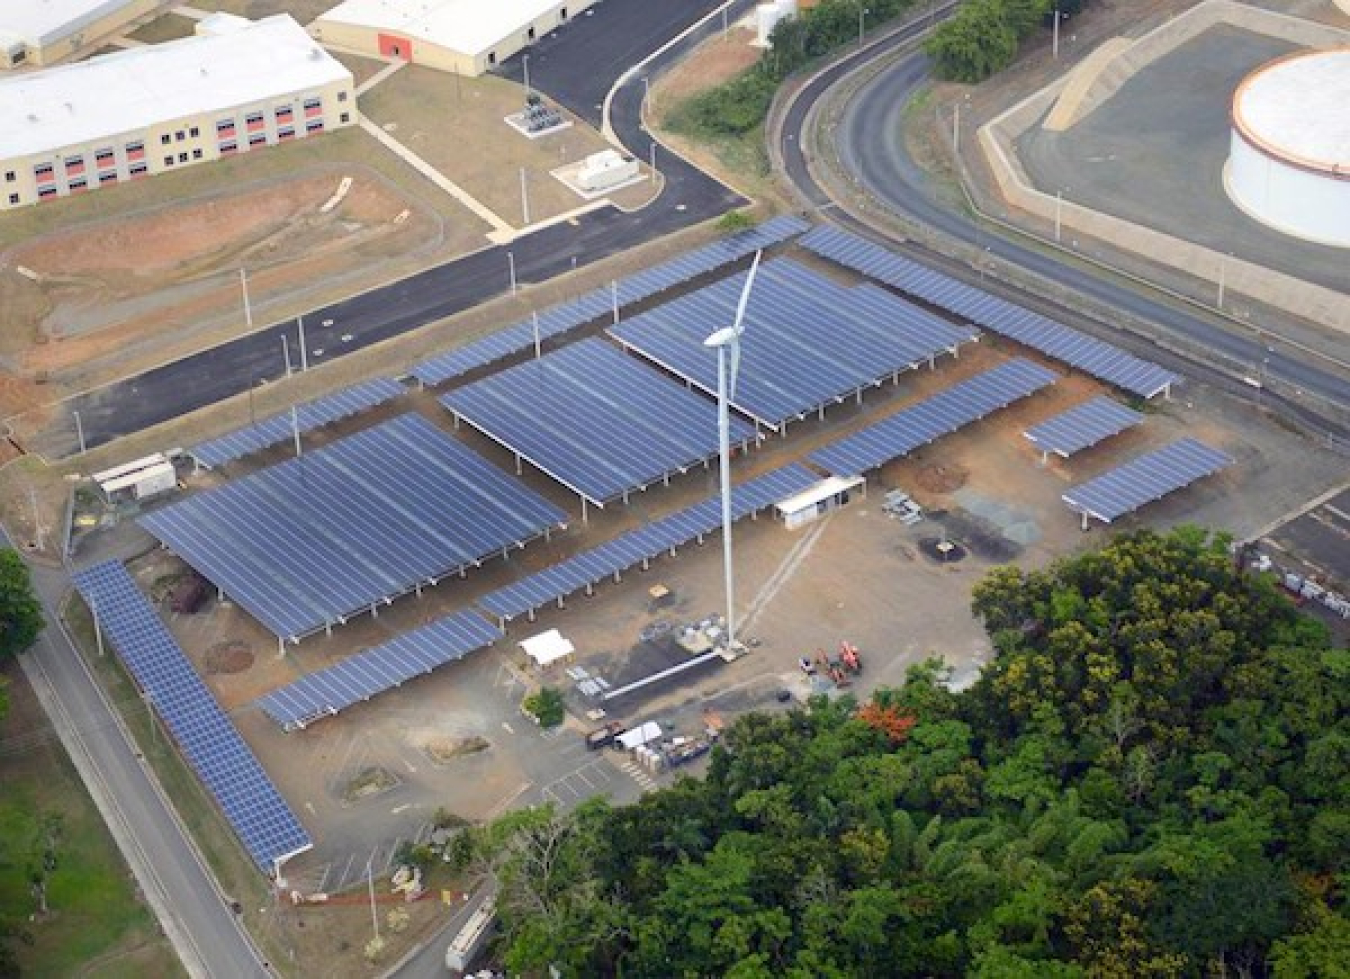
(809,342)
(945,412)
(227,767)
(1083,426)
(307,543)
(647,542)
(563,317)
(598,421)
(325,692)
(1088,354)
(1144,479)
(277,428)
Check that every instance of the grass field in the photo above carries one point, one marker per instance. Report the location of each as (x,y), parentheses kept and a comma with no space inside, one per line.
(97,925)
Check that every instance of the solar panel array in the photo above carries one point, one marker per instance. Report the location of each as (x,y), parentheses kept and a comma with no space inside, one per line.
(808,342)
(227,767)
(304,544)
(276,429)
(563,317)
(596,420)
(643,544)
(1083,426)
(1088,354)
(945,412)
(324,693)
(1144,479)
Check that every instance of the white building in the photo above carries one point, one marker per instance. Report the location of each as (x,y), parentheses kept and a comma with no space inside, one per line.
(237,87)
(466,36)
(1289,162)
(43,32)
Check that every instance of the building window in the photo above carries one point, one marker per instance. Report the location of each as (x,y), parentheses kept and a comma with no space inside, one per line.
(182,157)
(254,121)
(194,132)
(180,135)
(286,132)
(342,96)
(226,149)
(168,160)
(78,185)
(196,154)
(104,157)
(14,198)
(135,151)
(258,140)
(9,176)
(314,127)
(108,178)
(43,172)
(45,192)
(74,166)
(313,103)
(138,170)
(345,117)
(225,127)
(492,57)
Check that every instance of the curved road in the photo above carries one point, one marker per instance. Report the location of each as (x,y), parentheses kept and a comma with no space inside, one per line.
(868,139)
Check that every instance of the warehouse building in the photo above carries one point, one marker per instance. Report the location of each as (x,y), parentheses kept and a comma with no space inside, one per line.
(45,32)
(465,36)
(236,87)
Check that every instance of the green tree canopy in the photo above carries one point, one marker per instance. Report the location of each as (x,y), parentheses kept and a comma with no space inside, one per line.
(20,611)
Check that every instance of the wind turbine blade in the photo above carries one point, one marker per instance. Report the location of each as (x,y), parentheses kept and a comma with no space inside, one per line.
(745,292)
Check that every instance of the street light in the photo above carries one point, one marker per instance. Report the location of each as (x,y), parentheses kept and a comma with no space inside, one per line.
(525,63)
(726,341)
(862,12)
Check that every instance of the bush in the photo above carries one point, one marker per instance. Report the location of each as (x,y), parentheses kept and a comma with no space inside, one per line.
(546,707)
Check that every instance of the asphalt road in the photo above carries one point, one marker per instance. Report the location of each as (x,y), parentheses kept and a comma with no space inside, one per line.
(870,146)
(206,935)
(573,62)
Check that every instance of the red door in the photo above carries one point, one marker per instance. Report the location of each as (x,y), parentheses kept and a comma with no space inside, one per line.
(394,46)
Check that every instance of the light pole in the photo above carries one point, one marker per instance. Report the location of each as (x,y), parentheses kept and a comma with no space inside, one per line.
(862,12)
(243,286)
(79,430)
(652,164)
(727,343)
(525,63)
(511,268)
(1054,48)
(524,200)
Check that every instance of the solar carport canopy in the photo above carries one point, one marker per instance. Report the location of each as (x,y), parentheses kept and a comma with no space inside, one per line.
(646,542)
(808,342)
(1144,479)
(1088,354)
(208,739)
(304,544)
(567,316)
(596,420)
(1083,426)
(360,677)
(278,428)
(945,412)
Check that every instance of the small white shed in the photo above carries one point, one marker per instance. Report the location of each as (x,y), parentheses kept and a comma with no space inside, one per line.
(548,649)
(816,501)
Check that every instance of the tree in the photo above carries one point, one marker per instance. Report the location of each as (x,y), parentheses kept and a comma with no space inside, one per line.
(20,610)
(546,706)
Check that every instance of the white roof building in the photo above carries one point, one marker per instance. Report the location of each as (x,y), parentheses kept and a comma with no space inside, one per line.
(40,31)
(186,99)
(469,36)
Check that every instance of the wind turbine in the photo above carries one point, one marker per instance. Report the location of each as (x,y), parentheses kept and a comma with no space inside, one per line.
(727,342)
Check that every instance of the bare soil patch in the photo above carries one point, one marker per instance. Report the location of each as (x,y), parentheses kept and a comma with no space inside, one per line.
(942,478)
(443,751)
(228,657)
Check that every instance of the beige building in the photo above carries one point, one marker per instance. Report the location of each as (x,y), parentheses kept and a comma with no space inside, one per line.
(237,87)
(466,36)
(45,32)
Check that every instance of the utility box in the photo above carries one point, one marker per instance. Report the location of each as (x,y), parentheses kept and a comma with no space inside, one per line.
(138,480)
(606,169)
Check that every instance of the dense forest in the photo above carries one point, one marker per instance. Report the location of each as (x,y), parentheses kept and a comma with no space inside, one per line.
(1152,778)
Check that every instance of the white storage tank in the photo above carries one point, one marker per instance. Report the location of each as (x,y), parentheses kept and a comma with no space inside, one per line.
(1289,161)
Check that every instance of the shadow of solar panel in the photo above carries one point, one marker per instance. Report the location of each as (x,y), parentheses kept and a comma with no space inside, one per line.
(227,767)
(809,342)
(563,317)
(1146,478)
(596,420)
(1083,426)
(1088,354)
(277,428)
(643,544)
(305,544)
(360,677)
(945,412)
